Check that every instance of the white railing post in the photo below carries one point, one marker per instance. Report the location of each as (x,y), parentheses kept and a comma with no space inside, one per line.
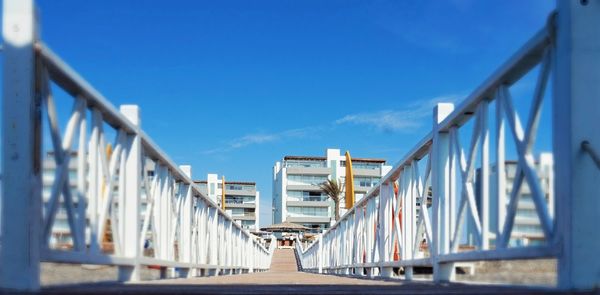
(370,232)
(213,241)
(187,219)
(131,207)
(576,107)
(408,218)
(386,192)
(21,214)
(320,254)
(440,182)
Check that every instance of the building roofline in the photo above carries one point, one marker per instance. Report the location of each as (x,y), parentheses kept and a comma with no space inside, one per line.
(362,160)
(230,182)
(303,158)
(368,160)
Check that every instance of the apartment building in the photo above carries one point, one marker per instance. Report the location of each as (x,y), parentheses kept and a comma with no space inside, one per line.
(297,197)
(527,229)
(61,233)
(241,199)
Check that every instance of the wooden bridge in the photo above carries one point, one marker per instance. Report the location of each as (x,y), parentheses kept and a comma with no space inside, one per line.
(284,277)
(161,219)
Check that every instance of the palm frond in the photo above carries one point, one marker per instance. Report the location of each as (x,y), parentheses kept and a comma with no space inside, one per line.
(332,188)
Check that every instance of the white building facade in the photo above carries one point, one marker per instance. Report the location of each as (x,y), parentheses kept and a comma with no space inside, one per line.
(241,199)
(297,197)
(527,229)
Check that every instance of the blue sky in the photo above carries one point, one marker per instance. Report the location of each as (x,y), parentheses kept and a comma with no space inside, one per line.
(230,87)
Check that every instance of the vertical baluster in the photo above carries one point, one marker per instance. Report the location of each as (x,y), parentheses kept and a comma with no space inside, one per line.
(485,175)
(130,208)
(385,227)
(94,179)
(440,182)
(81,176)
(21,150)
(500,179)
(408,217)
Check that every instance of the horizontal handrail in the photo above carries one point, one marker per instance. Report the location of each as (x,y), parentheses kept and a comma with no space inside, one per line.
(526,58)
(381,227)
(68,79)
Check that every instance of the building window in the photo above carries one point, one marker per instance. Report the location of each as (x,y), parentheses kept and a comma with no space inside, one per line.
(237,187)
(299,179)
(308,211)
(233,199)
(370,166)
(306,196)
(305,163)
(242,211)
(366,181)
(316,227)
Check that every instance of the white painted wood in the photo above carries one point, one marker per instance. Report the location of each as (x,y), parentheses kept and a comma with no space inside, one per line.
(526,158)
(130,223)
(500,179)
(385,227)
(408,216)
(82,168)
(485,176)
(94,181)
(576,109)
(21,165)
(440,176)
(187,220)
(61,158)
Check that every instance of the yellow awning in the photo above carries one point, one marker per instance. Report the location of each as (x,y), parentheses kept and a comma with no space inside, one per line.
(349,182)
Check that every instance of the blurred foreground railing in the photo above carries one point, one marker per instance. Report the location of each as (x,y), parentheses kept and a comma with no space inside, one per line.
(394,228)
(130,206)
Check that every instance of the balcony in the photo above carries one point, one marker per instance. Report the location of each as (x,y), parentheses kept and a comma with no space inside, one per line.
(303,187)
(308,219)
(245,216)
(239,205)
(309,170)
(308,203)
(367,172)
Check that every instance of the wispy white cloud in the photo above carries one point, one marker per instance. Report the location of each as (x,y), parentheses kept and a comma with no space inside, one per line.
(260,138)
(398,120)
(252,139)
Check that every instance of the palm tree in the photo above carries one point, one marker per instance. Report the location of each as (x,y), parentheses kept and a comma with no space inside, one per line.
(334,190)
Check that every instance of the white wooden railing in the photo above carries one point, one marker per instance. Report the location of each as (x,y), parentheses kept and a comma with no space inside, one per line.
(156,214)
(363,242)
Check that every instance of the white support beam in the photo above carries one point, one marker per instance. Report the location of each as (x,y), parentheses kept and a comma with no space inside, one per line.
(485,176)
(386,193)
(319,253)
(187,214)
(21,213)
(576,107)
(131,206)
(440,182)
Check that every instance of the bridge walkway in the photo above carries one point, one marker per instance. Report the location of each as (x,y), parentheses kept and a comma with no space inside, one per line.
(285,278)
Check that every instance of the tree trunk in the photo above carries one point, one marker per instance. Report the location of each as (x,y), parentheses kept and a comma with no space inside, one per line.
(337,210)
